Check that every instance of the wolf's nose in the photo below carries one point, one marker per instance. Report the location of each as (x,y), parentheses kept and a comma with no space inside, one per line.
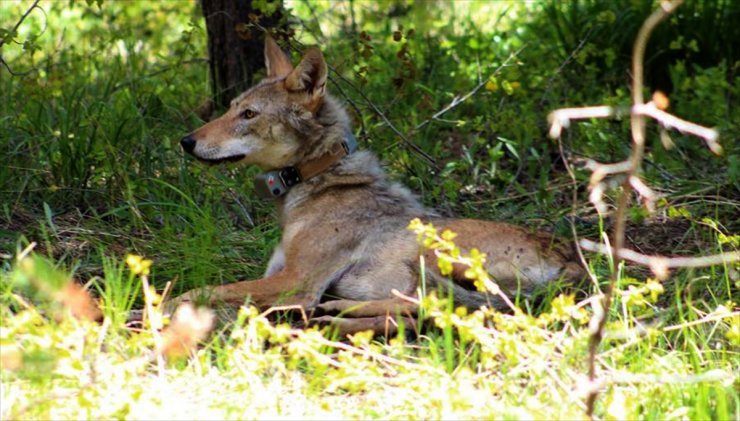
(188,143)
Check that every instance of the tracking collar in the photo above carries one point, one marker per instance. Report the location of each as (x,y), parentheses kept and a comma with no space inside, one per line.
(273,184)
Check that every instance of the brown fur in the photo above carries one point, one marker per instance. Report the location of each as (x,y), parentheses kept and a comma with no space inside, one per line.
(344,231)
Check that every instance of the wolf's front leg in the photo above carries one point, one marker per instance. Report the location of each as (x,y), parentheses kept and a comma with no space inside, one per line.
(282,288)
(285,288)
(381,325)
(350,308)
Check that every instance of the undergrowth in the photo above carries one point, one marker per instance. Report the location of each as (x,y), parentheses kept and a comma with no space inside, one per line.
(484,364)
(91,172)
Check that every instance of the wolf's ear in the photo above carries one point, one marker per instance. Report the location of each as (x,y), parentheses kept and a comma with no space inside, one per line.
(309,75)
(276,62)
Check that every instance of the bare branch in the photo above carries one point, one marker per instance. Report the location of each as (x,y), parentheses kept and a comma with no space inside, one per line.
(163,69)
(713,317)
(14,72)
(721,376)
(648,195)
(574,211)
(20,21)
(3,40)
(457,100)
(416,148)
(598,321)
(560,119)
(405,297)
(670,121)
(599,170)
(298,308)
(565,63)
(595,197)
(662,262)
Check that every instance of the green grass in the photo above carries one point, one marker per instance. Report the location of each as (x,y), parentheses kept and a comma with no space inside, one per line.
(91,171)
(482,365)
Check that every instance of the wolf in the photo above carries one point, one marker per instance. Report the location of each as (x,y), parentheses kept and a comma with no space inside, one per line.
(345,254)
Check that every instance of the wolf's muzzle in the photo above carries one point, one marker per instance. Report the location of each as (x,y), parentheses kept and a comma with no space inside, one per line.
(188,143)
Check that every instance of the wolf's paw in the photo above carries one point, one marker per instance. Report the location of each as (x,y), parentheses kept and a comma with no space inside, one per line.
(135,319)
(322,322)
(337,326)
(169,306)
(335,308)
(340,327)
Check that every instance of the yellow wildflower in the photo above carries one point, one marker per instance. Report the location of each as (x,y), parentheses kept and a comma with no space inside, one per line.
(138,265)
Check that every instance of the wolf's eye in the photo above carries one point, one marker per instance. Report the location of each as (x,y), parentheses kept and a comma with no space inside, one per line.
(249,114)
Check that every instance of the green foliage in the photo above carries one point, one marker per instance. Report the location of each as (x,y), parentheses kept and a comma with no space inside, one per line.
(91,171)
(483,364)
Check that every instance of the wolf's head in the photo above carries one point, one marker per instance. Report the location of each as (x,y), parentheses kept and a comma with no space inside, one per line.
(285,119)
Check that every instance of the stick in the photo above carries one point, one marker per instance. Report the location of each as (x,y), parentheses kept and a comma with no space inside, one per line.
(457,100)
(660,264)
(638,137)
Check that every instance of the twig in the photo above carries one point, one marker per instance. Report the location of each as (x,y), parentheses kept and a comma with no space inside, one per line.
(385,119)
(565,63)
(457,100)
(405,297)
(574,210)
(369,353)
(414,147)
(164,69)
(285,308)
(16,73)
(660,264)
(20,21)
(560,119)
(243,208)
(26,251)
(710,318)
(648,195)
(629,180)
(717,375)
(599,170)
(352,104)
(670,121)
(35,5)
(638,137)
(315,21)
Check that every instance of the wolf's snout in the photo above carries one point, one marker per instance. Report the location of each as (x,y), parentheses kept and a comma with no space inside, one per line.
(188,143)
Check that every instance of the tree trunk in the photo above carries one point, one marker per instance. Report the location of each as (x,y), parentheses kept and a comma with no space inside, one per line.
(235,47)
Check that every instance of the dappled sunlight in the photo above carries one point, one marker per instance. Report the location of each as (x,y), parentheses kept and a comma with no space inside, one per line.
(104,220)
